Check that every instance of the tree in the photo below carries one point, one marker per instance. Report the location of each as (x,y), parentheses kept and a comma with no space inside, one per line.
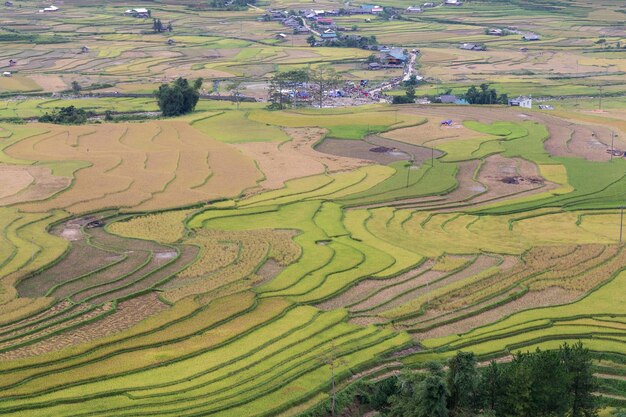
(582,383)
(65,115)
(493,389)
(76,87)
(411,81)
(432,394)
(421,395)
(408,97)
(372,58)
(294,81)
(549,386)
(323,79)
(311,40)
(178,97)
(197,84)
(235,89)
(169,27)
(484,95)
(157,26)
(463,382)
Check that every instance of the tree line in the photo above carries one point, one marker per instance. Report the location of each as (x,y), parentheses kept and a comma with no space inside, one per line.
(553,383)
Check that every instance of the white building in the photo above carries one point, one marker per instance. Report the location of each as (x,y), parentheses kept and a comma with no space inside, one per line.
(414,9)
(522,101)
(49,9)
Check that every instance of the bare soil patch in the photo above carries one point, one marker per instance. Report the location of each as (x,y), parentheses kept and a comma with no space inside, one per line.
(268,271)
(507,176)
(377,149)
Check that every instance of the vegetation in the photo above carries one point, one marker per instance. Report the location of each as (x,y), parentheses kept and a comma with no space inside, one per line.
(69,115)
(541,383)
(178,97)
(485,95)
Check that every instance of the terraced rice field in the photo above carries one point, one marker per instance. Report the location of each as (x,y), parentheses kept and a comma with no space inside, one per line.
(166,274)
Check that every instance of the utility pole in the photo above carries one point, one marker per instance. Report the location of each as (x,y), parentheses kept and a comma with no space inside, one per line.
(331,360)
(621,224)
(432,156)
(612,141)
(408,172)
(600,99)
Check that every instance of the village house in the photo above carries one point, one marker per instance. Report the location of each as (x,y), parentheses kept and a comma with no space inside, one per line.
(495,32)
(140,13)
(531,37)
(328,35)
(6,74)
(84,49)
(453,3)
(357,10)
(292,22)
(281,36)
(8,3)
(473,47)
(448,98)
(451,99)
(324,21)
(414,9)
(522,101)
(372,9)
(171,41)
(427,5)
(49,9)
(394,57)
(12,62)
(276,14)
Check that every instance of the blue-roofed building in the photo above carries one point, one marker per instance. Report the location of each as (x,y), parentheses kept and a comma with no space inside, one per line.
(328,35)
(393,56)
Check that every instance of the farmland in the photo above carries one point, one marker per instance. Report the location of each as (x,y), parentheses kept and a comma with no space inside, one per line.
(242,261)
